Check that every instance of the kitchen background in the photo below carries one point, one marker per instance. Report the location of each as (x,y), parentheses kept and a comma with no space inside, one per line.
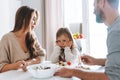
(59,13)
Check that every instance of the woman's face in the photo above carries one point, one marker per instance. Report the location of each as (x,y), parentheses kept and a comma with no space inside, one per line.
(62,40)
(33,22)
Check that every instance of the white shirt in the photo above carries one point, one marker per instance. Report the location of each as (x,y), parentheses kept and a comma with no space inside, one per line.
(70,55)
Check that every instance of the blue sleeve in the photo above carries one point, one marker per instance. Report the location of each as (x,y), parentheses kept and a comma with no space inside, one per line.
(112,67)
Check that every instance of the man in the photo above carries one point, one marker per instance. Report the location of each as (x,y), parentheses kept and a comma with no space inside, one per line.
(106,11)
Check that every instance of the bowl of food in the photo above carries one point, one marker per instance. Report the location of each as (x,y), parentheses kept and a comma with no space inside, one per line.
(42,70)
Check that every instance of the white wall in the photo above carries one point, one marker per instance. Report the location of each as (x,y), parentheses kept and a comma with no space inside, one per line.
(98,35)
(4,17)
(7,14)
(13,6)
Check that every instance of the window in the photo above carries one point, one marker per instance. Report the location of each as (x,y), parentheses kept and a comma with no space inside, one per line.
(72,12)
(73,17)
(78,11)
(75,12)
(98,34)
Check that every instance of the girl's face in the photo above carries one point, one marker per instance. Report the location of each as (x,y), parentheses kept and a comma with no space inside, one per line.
(33,21)
(62,41)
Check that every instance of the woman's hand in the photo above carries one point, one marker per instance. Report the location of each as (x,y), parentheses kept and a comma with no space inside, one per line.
(15,66)
(24,64)
(21,64)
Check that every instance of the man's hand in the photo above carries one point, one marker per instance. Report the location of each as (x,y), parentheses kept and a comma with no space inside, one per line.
(88,60)
(64,72)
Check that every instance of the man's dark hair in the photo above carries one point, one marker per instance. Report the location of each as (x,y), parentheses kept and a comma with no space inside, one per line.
(114,3)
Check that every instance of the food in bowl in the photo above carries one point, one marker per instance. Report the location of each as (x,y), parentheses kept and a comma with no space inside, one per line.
(42,70)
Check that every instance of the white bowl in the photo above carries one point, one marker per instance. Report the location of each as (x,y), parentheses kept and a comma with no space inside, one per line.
(39,71)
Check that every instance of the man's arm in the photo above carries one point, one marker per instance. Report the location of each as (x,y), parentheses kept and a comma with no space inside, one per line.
(89,75)
(100,62)
(67,72)
(86,59)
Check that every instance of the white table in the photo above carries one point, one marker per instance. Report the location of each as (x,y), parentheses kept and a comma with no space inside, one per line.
(20,75)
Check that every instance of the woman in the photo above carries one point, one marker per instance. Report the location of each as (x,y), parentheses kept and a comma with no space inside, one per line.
(20,48)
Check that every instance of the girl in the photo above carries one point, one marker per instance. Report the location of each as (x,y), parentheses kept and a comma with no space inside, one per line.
(65,49)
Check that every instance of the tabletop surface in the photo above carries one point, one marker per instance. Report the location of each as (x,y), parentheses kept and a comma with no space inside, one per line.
(21,75)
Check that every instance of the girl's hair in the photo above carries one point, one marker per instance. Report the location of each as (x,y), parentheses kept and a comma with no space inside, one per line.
(65,31)
(22,21)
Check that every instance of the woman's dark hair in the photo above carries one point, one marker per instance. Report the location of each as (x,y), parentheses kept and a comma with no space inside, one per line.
(22,21)
(22,18)
(30,43)
(65,31)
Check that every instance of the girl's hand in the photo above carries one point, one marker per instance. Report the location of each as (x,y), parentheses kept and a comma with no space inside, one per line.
(57,43)
(69,43)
